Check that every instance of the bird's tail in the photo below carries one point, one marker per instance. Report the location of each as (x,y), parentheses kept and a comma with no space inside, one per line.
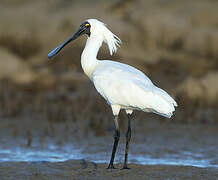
(165,104)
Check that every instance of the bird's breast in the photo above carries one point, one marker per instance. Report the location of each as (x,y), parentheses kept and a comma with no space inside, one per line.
(88,66)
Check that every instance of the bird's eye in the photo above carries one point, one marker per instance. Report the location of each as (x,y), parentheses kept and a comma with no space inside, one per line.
(87,24)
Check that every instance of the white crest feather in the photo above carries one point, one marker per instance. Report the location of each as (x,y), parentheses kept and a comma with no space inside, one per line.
(112,40)
(108,37)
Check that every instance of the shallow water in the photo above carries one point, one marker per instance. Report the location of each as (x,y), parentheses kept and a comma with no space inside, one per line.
(154,144)
(55,153)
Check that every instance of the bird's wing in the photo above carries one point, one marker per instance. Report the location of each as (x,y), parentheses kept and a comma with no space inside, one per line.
(113,80)
(124,71)
(126,86)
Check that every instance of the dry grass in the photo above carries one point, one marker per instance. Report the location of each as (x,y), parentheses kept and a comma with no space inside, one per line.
(203,90)
(175,43)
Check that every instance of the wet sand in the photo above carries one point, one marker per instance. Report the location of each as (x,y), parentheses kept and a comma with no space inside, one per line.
(81,169)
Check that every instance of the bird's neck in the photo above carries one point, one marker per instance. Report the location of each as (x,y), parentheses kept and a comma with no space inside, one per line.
(89,55)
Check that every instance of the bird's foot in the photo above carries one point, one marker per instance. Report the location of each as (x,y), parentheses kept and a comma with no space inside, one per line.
(111,166)
(125,167)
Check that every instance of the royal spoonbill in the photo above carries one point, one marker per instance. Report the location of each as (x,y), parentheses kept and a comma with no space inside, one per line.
(121,85)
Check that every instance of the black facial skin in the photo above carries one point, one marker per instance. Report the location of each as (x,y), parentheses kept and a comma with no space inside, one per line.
(83,29)
(87,27)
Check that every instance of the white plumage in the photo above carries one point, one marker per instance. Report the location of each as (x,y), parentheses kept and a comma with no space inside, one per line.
(121,85)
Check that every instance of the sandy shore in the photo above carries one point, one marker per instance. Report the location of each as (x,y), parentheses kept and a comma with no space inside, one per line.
(82,169)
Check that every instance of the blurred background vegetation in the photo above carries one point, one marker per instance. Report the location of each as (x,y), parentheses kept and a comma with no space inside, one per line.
(174,42)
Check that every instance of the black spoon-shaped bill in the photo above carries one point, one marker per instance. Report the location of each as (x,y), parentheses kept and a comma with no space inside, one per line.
(57,49)
(82,30)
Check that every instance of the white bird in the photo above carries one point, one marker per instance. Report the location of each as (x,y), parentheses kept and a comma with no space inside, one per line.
(121,85)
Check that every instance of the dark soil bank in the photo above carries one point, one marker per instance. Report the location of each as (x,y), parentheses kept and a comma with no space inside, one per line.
(81,169)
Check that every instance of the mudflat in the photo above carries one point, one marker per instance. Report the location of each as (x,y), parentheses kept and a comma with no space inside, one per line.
(82,169)
(190,148)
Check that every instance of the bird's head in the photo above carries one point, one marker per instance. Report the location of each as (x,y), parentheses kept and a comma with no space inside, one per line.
(94,29)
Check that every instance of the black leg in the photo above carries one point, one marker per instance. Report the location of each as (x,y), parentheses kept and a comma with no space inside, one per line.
(128,137)
(116,140)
